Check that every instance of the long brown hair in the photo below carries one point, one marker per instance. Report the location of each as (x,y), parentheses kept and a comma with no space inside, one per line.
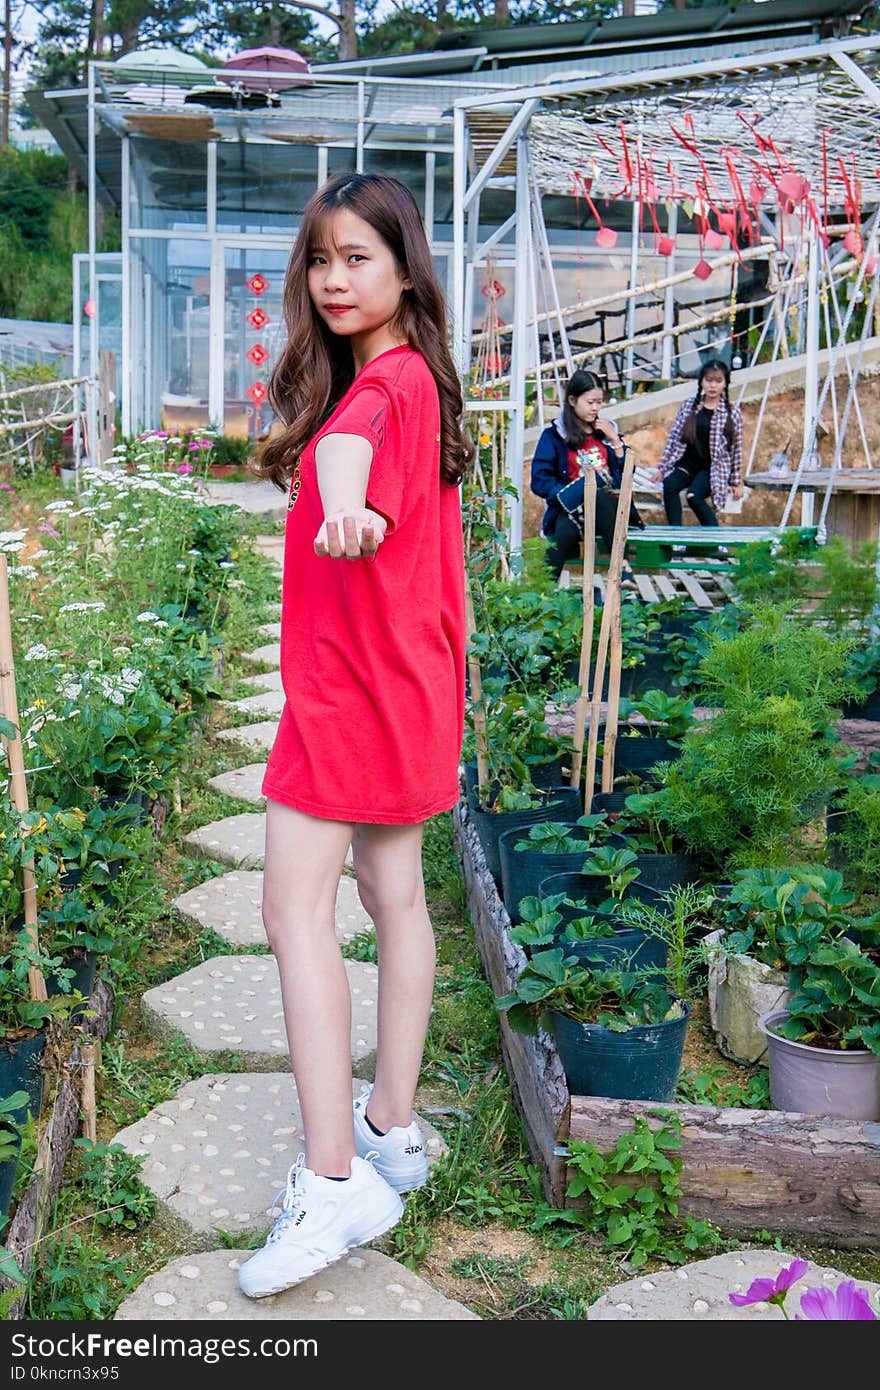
(576,432)
(316,367)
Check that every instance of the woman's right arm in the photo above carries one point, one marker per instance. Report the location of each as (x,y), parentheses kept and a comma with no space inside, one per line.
(673,442)
(544,481)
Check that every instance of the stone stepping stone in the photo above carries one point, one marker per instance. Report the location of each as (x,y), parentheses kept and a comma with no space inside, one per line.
(244,783)
(268,655)
(256,738)
(237,840)
(233,1004)
(272,631)
(272,547)
(270,703)
(217,1153)
(266,680)
(364,1286)
(257,497)
(230,906)
(699,1291)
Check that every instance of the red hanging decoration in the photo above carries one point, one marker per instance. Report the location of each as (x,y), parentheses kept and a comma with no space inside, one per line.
(257,318)
(493,290)
(257,354)
(257,392)
(257,284)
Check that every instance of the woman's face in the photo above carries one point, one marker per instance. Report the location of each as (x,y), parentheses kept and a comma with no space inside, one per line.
(587,406)
(713,385)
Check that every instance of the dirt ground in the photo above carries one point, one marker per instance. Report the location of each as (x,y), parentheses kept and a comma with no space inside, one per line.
(783,423)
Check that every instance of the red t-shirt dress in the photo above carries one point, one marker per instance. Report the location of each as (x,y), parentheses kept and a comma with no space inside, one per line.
(373,651)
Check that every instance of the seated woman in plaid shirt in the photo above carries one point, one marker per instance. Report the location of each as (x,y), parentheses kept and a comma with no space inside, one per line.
(704,450)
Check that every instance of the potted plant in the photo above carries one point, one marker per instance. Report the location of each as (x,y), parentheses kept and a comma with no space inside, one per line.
(770,913)
(617,1034)
(667,719)
(530,855)
(12,1109)
(23,1021)
(749,781)
(824,1046)
(660,859)
(591,937)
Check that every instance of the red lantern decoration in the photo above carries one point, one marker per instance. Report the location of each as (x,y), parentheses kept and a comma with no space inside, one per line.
(257,354)
(90,308)
(257,284)
(257,392)
(257,318)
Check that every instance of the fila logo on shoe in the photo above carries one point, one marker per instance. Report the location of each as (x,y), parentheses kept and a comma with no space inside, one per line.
(413,1149)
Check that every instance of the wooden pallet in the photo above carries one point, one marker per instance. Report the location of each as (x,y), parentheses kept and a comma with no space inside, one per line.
(706,590)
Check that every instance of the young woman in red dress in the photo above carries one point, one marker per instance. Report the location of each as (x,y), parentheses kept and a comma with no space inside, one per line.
(372,665)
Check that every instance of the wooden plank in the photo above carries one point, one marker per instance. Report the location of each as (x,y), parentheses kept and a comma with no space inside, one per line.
(665,585)
(695,589)
(646,589)
(749,1170)
(533,1065)
(724,584)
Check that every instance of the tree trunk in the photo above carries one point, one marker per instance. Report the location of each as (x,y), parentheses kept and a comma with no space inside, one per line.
(97,27)
(348,44)
(629,7)
(502,11)
(7,73)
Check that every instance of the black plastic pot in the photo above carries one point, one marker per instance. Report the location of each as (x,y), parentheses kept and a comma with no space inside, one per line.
(587,891)
(84,965)
(549,774)
(20,1070)
(640,1064)
(8,1170)
(627,674)
(560,803)
(642,752)
(612,803)
(641,951)
(523,870)
(136,806)
(867,708)
(665,871)
(651,673)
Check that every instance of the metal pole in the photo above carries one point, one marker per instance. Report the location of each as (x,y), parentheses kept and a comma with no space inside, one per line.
(811,373)
(92,291)
(631,306)
(460,316)
(519,349)
(360,129)
(669,301)
(126,364)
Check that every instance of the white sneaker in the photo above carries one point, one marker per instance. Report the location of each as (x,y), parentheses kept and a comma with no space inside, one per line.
(320,1220)
(400,1154)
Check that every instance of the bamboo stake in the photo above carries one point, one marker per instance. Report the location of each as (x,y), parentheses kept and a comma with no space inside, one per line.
(479,712)
(88,1105)
(612,587)
(611,714)
(580,709)
(15,756)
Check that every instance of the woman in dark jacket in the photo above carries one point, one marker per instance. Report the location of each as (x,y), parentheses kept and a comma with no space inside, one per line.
(578,438)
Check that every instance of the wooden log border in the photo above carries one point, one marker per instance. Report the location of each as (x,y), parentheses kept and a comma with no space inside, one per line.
(746,1170)
(35,1207)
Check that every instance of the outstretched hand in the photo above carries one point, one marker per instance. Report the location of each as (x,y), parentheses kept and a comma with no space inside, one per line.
(353,534)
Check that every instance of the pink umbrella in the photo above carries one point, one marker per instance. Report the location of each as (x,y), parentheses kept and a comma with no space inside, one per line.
(267,69)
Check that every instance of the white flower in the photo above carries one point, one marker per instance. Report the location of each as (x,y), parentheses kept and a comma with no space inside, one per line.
(11,542)
(72,691)
(96,607)
(38,652)
(180,565)
(63,505)
(226,565)
(148,616)
(25,571)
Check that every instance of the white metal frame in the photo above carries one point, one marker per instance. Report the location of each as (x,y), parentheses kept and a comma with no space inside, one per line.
(524,102)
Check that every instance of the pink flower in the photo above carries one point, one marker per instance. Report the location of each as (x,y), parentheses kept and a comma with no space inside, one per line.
(184,468)
(771,1290)
(50,530)
(846,1303)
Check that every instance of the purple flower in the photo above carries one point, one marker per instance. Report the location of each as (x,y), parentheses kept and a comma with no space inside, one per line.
(184,468)
(846,1303)
(50,530)
(771,1290)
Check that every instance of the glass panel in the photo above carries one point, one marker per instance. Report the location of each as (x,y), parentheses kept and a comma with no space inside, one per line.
(253,334)
(406,165)
(262,187)
(169,184)
(170,285)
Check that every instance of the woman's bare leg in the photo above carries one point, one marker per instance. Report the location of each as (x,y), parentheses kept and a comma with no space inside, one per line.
(304,860)
(388,864)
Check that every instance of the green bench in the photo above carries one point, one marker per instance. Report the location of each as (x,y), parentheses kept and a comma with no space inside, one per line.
(686,547)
